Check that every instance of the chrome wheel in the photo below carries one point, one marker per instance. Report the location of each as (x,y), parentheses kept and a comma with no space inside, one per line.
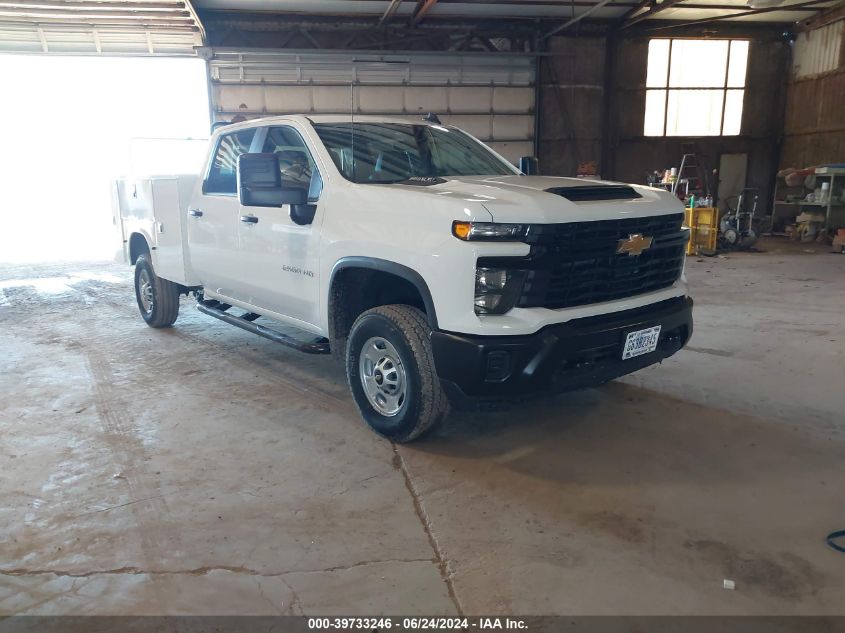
(146,291)
(383,376)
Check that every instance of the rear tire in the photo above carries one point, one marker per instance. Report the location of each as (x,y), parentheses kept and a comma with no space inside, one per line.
(391,373)
(158,299)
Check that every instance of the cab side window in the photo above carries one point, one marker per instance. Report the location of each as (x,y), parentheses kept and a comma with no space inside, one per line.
(222,176)
(295,160)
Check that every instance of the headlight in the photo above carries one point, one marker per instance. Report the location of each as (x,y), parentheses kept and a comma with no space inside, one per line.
(497,289)
(489,231)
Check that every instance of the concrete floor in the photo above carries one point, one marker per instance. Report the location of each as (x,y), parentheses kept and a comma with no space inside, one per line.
(203,470)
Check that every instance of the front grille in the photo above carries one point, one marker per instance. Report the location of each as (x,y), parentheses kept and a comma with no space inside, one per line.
(576,263)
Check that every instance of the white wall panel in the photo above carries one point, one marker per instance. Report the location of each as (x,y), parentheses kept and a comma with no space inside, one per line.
(490,95)
(426,99)
(513,127)
(381,99)
(331,99)
(513,100)
(471,99)
(289,98)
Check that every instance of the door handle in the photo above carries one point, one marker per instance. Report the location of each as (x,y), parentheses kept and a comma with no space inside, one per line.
(249,219)
(195,213)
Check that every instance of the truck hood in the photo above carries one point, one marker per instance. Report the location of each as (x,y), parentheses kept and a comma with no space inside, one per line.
(526,199)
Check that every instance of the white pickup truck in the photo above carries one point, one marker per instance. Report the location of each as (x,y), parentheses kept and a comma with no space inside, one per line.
(435,269)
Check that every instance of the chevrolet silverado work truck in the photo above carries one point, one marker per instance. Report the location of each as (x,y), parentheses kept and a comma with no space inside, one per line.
(437,271)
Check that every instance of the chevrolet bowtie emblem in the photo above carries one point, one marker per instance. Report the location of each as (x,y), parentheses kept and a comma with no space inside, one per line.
(634,245)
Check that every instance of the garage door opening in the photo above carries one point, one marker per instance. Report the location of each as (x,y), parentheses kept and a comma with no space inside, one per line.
(71,125)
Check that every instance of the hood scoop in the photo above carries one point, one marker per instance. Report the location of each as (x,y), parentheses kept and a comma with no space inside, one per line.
(590,193)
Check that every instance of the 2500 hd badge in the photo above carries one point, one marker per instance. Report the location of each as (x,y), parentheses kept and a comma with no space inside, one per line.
(297,271)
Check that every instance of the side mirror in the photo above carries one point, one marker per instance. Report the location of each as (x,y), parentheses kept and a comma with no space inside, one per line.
(260,183)
(529,165)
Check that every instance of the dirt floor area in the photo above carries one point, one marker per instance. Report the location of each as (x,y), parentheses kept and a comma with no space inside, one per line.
(204,470)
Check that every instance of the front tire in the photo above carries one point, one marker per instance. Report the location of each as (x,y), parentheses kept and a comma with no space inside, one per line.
(391,373)
(158,299)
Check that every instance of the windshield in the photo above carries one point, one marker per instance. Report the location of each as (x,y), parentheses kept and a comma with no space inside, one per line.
(396,152)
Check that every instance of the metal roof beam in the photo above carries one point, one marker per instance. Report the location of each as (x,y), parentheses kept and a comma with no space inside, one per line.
(644,4)
(200,27)
(85,5)
(423,7)
(654,10)
(578,18)
(389,11)
(801,5)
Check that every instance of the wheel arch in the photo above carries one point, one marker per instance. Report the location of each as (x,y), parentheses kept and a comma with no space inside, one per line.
(386,266)
(358,283)
(139,243)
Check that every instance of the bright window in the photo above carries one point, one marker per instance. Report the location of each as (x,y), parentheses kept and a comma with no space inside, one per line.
(695,87)
(71,125)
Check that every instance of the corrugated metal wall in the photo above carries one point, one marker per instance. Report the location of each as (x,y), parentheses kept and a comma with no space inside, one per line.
(814,126)
(571,106)
(489,95)
(818,51)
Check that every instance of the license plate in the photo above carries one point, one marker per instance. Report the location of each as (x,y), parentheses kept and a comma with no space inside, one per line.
(640,342)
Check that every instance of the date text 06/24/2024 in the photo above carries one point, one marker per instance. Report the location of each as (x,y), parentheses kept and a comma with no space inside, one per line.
(416,623)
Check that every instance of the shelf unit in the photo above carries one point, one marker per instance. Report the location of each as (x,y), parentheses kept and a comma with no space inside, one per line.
(834,206)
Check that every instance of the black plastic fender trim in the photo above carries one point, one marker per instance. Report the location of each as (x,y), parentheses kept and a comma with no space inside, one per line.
(383,265)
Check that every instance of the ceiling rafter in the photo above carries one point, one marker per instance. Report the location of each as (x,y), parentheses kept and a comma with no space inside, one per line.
(577,18)
(644,4)
(740,14)
(189,5)
(423,7)
(652,11)
(389,11)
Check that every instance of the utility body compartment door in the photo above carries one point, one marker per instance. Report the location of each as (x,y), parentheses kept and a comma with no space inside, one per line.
(171,196)
(155,208)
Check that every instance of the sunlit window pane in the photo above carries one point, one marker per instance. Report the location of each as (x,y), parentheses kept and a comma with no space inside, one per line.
(655,108)
(658,63)
(733,112)
(705,66)
(694,113)
(698,63)
(738,64)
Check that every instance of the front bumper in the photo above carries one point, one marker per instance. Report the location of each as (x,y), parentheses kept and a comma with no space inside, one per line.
(580,353)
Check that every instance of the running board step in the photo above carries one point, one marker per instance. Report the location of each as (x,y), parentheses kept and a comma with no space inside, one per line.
(315,346)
